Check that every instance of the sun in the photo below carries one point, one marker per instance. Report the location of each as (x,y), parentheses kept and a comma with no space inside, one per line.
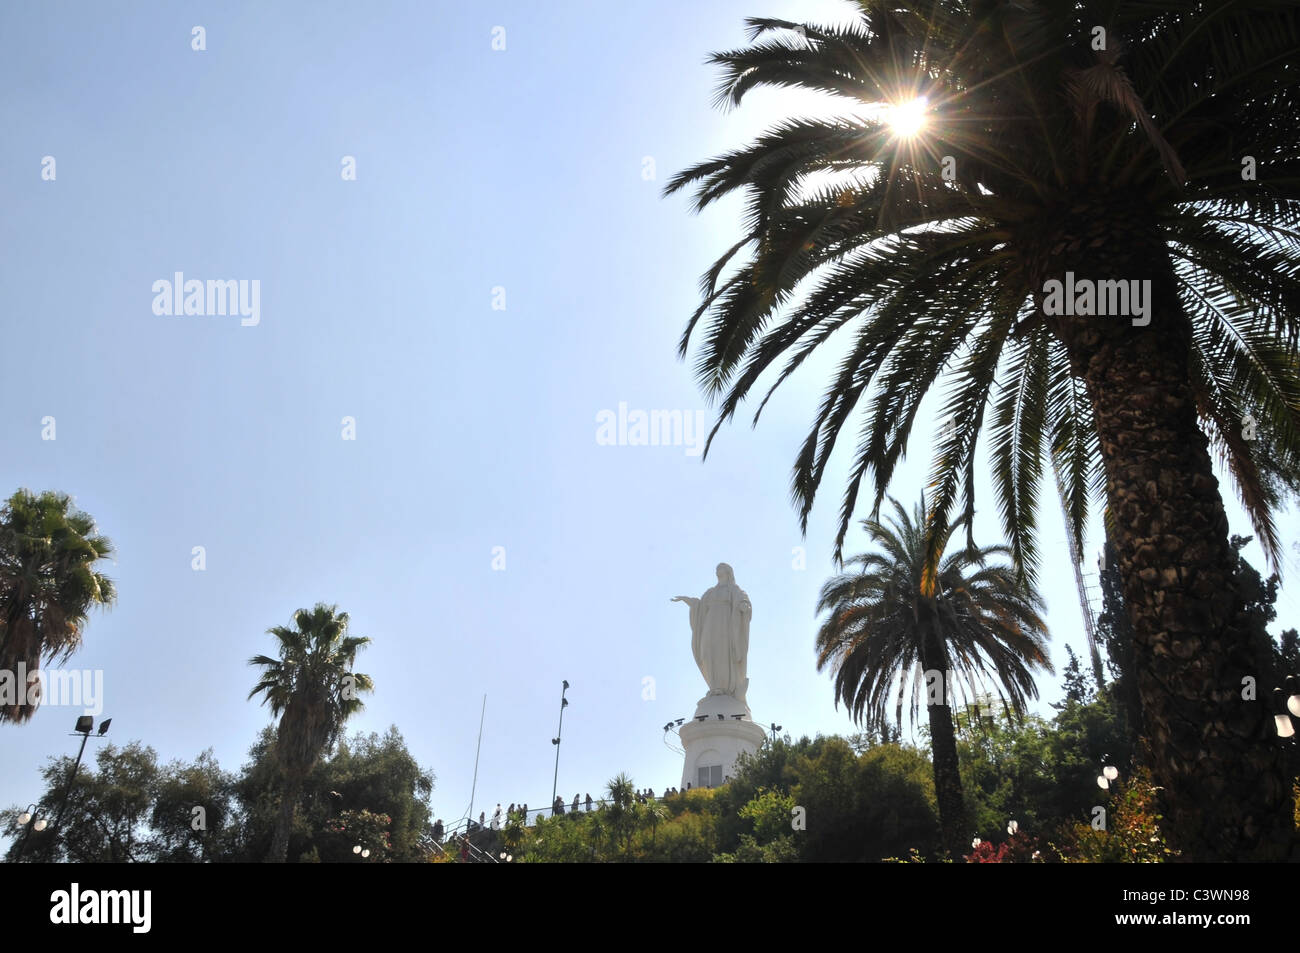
(907,118)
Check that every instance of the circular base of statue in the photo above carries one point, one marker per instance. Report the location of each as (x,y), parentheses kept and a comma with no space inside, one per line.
(714,743)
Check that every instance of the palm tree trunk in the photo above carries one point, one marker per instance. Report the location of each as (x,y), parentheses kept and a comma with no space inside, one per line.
(1225,793)
(943,753)
(947,780)
(279,851)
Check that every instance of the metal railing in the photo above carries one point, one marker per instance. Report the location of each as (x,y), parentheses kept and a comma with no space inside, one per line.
(466,831)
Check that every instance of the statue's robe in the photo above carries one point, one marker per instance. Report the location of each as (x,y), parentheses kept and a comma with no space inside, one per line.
(720,638)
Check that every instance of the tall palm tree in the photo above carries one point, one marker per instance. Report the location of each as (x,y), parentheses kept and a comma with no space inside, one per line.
(971,626)
(48,584)
(312,689)
(987,150)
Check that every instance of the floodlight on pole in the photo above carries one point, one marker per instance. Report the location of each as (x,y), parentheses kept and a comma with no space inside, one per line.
(564,703)
(85,724)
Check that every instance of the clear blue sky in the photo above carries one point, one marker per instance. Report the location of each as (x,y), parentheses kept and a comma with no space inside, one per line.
(475,427)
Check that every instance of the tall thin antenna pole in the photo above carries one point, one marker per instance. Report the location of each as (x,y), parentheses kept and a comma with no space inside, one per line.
(564,703)
(474,788)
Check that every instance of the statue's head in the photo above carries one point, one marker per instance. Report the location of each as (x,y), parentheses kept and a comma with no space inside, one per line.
(725,574)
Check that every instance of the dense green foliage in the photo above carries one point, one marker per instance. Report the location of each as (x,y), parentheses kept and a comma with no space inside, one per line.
(128,808)
(1037,772)
(374,773)
(131,809)
(813,800)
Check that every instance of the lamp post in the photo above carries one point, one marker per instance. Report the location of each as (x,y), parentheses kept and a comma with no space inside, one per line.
(84,724)
(1286,708)
(363,851)
(31,822)
(564,703)
(1108,774)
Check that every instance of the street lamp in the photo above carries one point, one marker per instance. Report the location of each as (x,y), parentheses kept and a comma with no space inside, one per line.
(1108,774)
(1286,707)
(24,819)
(84,725)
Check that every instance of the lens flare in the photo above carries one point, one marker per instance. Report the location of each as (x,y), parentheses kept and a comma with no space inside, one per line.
(907,119)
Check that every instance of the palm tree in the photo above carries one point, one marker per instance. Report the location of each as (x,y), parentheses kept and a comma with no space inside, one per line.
(312,689)
(621,814)
(993,148)
(972,625)
(48,584)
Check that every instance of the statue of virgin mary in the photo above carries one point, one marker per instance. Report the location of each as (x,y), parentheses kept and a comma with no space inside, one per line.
(720,634)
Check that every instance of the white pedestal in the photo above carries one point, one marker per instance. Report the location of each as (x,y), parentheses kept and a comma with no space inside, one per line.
(717,742)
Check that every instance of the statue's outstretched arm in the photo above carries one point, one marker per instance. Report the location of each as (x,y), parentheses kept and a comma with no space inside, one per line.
(689,600)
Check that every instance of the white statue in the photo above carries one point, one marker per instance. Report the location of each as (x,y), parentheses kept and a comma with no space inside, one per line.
(720,634)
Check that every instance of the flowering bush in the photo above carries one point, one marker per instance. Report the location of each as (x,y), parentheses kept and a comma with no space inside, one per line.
(1131,834)
(1019,848)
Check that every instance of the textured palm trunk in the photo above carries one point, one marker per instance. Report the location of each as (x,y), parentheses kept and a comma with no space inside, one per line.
(947,780)
(943,752)
(279,851)
(16,644)
(1210,749)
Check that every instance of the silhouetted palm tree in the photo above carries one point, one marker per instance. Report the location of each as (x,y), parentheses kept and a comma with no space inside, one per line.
(972,625)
